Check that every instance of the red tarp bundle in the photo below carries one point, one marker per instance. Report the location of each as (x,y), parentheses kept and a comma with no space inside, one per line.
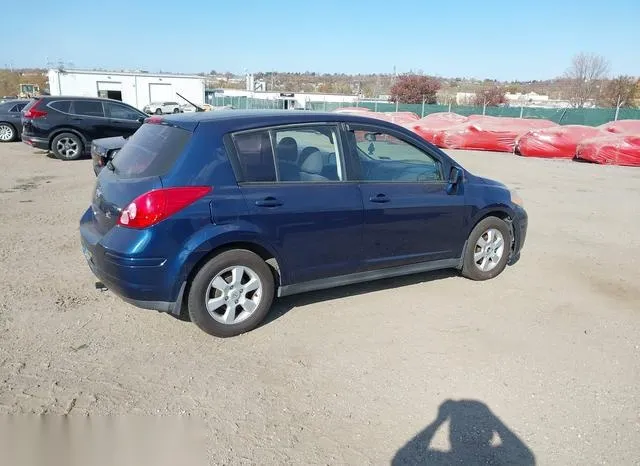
(616,149)
(428,126)
(351,110)
(401,117)
(622,126)
(488,133)
(557,141)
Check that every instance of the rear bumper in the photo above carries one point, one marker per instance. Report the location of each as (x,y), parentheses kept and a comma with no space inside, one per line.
(38,143)
(144,282)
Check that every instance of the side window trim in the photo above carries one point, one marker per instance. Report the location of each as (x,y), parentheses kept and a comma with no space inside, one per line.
(351,127)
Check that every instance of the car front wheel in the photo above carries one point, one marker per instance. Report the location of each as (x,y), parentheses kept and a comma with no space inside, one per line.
(231,294)
(488,249)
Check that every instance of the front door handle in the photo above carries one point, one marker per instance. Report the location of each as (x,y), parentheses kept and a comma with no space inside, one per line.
(269,202)
(379,198)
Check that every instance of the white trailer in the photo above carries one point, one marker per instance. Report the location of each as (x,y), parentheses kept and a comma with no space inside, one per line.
(137,89)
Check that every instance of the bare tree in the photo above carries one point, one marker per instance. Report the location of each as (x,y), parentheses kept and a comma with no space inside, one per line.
(585,76)
(620,92)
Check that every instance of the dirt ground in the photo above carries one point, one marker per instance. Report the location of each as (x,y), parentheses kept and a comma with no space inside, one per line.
(547,355)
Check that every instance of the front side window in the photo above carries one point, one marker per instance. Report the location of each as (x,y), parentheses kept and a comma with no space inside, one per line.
(386,158)
(88,108)
(121,112)
(300,154)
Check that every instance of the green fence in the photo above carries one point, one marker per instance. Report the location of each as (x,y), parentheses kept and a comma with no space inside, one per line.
(564,116)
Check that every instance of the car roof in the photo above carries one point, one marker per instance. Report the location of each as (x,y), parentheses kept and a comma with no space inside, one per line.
(14,101)
(267,118)
(77,97)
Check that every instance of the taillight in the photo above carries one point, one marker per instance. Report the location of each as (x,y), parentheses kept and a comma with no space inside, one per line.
(154,120)
(33,112)
(155,206)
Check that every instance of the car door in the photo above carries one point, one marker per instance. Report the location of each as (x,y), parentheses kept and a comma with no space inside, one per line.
(123,119)
(89,118)
(409,214)
(301,203)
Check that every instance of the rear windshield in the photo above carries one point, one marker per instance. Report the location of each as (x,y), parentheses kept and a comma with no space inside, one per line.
(30,104)
(151,151)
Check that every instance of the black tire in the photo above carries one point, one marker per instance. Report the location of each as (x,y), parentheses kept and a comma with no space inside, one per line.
(200,284)
(470,269)
(158,111)
(8,131)
(74,141)
(176,110)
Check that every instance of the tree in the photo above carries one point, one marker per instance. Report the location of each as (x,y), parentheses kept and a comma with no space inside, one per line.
(490,96)
(413,89)
(585,75)
(620,92)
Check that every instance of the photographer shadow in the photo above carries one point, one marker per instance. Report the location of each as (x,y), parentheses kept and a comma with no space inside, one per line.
(476,436)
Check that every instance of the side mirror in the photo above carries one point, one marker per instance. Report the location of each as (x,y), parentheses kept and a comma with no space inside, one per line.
(455,176)
(141,120)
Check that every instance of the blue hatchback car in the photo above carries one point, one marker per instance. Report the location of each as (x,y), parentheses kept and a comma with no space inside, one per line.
(219,212)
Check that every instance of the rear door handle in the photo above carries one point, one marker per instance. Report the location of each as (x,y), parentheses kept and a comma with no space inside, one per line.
(269,202)
(379,198)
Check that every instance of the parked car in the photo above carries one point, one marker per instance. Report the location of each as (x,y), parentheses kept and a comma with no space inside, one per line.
(103,150)
(67,125)
(11,119)
(194,215)
(160,108)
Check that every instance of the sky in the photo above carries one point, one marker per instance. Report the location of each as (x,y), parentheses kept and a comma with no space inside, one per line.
(496,39)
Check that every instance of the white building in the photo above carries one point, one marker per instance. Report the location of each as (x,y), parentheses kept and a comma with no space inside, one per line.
(289,100)
(530,99)
(136,89)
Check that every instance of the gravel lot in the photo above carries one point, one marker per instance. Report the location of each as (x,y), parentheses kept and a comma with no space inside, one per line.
(548,354)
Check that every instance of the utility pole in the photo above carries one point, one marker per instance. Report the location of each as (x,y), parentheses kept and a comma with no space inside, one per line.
(423,100)
(617,108)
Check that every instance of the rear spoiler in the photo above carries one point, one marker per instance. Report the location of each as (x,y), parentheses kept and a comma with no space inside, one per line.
(198,108)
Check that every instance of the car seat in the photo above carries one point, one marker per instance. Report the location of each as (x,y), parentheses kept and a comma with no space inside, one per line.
(287,156)
(312,168)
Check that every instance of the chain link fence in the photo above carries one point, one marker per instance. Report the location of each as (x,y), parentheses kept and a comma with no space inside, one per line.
(563,116)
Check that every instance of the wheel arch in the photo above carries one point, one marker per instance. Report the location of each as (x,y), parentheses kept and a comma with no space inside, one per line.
(500,211)
(263,251)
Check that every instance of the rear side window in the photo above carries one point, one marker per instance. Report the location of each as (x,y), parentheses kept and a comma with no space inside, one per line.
(17,108)
(88,108)
(61,105)
(30,104)
(255,156)
(151,151)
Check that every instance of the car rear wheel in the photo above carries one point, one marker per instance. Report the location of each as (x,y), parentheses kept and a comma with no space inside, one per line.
(231,294)
(176,110)
(158,111)
(67,146)
(7,132)
(488,249)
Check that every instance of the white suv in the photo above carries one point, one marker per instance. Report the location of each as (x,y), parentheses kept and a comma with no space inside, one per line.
(162,107)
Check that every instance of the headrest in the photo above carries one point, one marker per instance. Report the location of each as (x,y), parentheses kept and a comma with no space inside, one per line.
(287,150)
(314,163)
